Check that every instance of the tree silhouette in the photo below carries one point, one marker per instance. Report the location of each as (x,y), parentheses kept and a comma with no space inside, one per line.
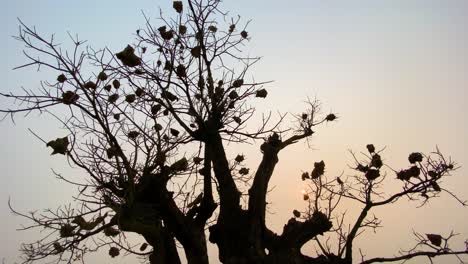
(148,125)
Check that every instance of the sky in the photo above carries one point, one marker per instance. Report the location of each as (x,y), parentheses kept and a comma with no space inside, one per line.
(393,71)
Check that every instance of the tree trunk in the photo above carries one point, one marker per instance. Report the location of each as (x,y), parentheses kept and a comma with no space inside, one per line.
(196,251)
(164,249)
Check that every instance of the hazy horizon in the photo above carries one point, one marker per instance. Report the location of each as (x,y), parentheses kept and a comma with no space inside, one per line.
(395,73)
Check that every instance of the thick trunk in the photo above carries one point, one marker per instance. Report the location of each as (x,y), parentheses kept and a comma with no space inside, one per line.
(197,252)
(152,229)
(232,238)
(353,233)
(194,257)
(257,197)
(228,192)
(287,256)
(164,248)
(142,221)
(230,232)
(242,237)
(207,205)
(156,216)
(258,191)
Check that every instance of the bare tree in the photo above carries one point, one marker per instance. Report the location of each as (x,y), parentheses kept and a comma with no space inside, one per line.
(148,124)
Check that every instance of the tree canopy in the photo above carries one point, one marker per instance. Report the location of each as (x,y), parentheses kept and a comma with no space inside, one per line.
(148,126)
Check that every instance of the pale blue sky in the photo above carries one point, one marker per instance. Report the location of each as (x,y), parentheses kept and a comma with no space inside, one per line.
(394,71)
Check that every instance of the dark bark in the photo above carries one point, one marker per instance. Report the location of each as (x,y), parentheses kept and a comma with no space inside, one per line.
(196,252)
(286,247)
(258,191)
(228,192)
(164,248)
(153,212)
(257,196)
(353,233)
(229,232)
(232,238)
(150,226)
(207,206)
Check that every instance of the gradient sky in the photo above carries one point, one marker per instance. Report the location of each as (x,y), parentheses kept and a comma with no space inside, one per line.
(395,72)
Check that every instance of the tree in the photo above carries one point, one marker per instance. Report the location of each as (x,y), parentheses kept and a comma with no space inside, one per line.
(149,127)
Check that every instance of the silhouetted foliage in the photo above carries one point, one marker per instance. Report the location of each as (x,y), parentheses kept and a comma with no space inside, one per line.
(149,129)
